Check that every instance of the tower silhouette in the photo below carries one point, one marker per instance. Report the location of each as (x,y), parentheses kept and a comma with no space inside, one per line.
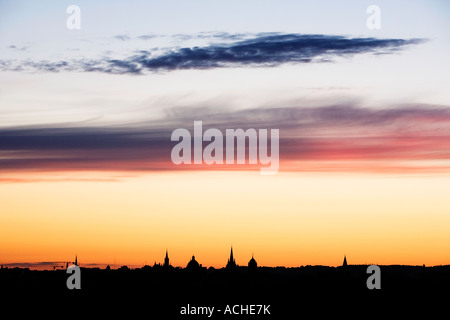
(166,260)
(344,264)
(76,260)
(231,262)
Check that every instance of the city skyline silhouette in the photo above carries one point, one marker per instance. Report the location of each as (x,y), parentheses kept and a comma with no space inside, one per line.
(169,289)
(192,263)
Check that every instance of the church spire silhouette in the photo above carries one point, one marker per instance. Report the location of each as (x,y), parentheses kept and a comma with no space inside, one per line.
(231,262)
(166,260)
(76,260)
(344,264)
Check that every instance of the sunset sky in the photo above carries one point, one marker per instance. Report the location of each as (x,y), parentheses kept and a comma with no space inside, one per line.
(86,117)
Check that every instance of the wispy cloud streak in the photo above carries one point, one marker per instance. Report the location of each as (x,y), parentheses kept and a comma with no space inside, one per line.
(267,50)
(342,136)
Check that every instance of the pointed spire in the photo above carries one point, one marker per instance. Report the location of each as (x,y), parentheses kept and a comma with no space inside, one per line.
(76,260)
(344,264)
(231,262)
(166,260)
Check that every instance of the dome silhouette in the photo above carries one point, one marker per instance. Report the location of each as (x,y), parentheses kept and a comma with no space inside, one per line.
(252,263)
(193,264)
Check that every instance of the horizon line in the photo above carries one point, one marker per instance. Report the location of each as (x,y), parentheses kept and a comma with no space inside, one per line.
(60,265)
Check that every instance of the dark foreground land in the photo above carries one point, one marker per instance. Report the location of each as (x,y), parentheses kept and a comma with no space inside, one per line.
(292,293)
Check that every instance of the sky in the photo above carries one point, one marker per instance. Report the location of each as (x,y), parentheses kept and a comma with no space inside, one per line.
(86,117)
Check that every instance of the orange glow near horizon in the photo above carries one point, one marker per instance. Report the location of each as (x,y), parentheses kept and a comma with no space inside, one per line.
(289,219)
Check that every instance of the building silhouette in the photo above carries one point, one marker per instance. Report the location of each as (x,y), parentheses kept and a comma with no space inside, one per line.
(231,264)
(166,260)
(193,264)
(252,265)
(344,264)
(76,260)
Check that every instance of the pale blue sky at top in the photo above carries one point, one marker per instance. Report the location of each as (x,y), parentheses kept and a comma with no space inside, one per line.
(33,20)
(34,32)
